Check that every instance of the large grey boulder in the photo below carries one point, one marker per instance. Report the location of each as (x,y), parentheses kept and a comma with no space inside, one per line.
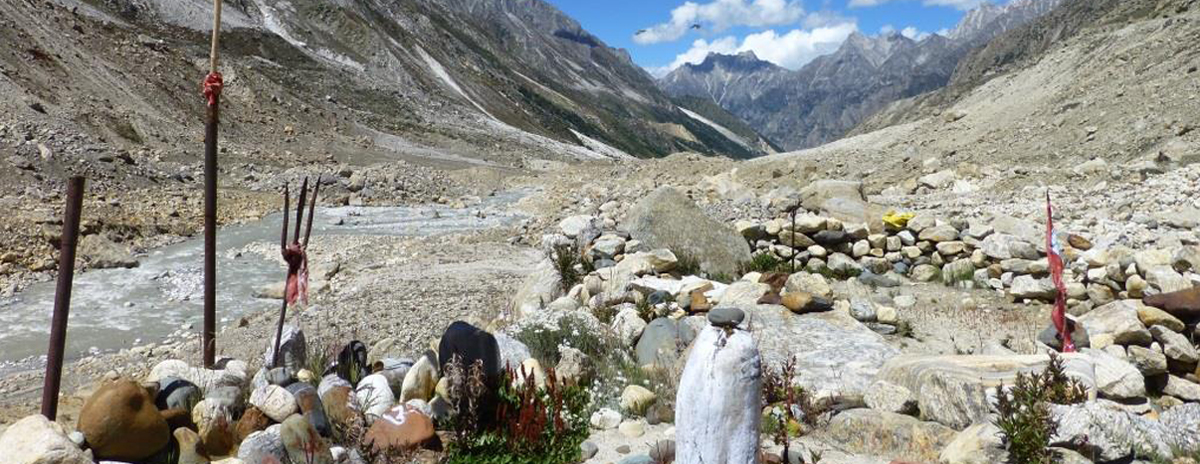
(540,288)
(1108,432)
(958,391)
(1119,319)
(719,404)
(666,218)
(837,355)
(662,341)
(841,199)
(1115,377)
(869,431)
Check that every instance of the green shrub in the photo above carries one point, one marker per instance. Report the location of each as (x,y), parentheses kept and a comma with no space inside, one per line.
(764,263)
(1024,412)
(565,259)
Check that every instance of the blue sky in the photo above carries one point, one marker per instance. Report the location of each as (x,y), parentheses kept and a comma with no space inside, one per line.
(787,32)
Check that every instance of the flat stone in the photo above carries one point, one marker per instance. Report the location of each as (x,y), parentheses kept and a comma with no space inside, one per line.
(1175,345)
(886,396)
(726,316)
(36,440)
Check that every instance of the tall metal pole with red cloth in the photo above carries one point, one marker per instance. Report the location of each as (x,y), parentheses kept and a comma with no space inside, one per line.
(1054,257)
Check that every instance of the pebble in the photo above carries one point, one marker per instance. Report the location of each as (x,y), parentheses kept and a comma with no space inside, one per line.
(727,317)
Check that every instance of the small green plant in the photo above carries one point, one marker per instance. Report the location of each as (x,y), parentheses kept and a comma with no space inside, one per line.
(795,411)
(764,263)
(533,425)
(904,329)
(565,259)
(571,330)
(722,277)
(645,310)
(1024,412)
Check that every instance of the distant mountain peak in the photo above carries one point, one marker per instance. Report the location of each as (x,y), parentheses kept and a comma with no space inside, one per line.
(743,62)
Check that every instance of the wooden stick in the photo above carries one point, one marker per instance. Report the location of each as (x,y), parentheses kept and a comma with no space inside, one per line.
(216,36)
(62,298)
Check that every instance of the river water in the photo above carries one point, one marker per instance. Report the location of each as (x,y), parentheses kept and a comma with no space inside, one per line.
(113,309)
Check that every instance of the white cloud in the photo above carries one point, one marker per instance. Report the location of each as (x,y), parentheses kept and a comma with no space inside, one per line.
(962,5)
(719,15)
(790,50)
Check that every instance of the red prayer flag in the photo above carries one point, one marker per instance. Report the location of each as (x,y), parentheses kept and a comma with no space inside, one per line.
(1054,256)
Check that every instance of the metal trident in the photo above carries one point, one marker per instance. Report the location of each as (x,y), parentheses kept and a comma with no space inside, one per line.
(295,255)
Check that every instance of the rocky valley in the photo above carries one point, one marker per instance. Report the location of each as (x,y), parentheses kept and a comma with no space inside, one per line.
(525,250)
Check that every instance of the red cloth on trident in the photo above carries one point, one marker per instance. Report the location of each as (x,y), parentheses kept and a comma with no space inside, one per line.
(297,276)
(1054,256)
(212,87)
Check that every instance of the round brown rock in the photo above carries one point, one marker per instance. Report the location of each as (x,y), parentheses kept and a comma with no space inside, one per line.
(402,427)
(121,423)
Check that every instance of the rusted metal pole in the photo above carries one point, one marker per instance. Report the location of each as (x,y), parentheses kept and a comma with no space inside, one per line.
(283,243)
(62,298)
(209,334)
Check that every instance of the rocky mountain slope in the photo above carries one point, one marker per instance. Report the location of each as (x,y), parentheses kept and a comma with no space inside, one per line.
(826,98)
(425,77)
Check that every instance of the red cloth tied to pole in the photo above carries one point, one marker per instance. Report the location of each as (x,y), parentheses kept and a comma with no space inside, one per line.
(297,276)
(1054,257)
(212,87)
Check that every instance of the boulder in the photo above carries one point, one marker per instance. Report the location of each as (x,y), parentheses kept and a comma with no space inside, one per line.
(190,450)
(1176,346)
(874,432)
(841,199)
(719,403)
(215,427)
(955,390)
(1151,316)
(176,393)
(302,442)
(420,380)
(512,351)
(666,218)
(121,423)
(310,406)
(395,370)
(1183,389)
(1108,432)
(251,421)
(1150,361)
(977,444)
(274,401)
(539,288)
(838,355)
(1166,280)
(1183,304)
(661,341)
(815,284)
(1001,246)
(605,419)
(1119,319)
(293,352)
(234,374)
(573,366)
(743,293)
(1028,287)
(1115,377)
(36,440)
(400,427)
(628,325)
(374,394)
(263,447)
(889,397)
(573,225)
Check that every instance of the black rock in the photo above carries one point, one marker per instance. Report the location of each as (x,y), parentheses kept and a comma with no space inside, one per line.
(176,393)
(829,237)
(658,297)
(468,344)
(352,358)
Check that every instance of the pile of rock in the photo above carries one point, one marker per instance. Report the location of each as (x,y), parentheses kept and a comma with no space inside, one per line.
(1007,254)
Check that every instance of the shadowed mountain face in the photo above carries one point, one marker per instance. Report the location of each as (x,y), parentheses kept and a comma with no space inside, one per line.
(464,74)
(828,97)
